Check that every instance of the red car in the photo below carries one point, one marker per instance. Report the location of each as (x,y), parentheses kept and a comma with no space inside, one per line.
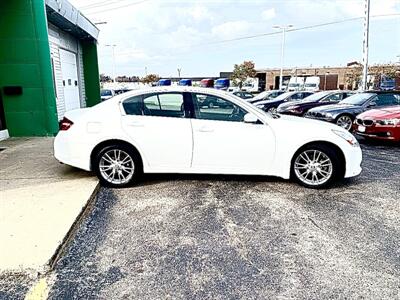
(383,124)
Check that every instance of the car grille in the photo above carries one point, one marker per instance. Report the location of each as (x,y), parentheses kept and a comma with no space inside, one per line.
(365,122)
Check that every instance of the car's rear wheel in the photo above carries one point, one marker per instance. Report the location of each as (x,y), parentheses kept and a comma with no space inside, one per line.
(344,121)
(117,166)
(316,166)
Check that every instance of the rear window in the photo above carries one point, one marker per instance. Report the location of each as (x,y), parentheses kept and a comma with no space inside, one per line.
(133,106)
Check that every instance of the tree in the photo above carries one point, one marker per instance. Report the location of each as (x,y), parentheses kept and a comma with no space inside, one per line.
(242,72)
(150,78)
(105,78)
(354,75)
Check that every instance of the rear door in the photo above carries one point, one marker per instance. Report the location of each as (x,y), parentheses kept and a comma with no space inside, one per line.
(158,123)
(225,144)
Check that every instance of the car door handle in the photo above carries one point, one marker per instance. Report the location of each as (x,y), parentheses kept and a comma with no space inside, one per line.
(135,124)
(206,129)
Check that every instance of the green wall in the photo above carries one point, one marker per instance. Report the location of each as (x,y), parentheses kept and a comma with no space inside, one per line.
(91,72)
(25,61)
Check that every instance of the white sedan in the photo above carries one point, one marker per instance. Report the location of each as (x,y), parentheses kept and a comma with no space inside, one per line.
(175,130)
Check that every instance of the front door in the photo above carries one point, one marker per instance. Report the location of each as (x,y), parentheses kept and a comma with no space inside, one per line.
(69,71)
(158,124)
(225,144)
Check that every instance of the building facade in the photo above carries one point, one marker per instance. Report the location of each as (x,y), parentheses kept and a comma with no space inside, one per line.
(48,65)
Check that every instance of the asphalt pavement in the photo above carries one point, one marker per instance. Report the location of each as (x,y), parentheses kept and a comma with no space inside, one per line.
(239,237)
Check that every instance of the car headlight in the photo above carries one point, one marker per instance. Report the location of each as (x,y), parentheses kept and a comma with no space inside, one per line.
(329,115)
(392,122)
(347,136)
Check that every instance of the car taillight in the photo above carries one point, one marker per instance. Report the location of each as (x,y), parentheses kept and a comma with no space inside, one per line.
(65,124)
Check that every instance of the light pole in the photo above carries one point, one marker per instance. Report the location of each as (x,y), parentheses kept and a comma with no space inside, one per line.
(365,48)
(179,72)
(113,59)
(284,29)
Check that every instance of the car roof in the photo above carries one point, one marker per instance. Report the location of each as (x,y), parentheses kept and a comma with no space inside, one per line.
(169,89)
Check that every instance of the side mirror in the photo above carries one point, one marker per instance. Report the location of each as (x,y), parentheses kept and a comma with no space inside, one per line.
(372,104)
(250,118)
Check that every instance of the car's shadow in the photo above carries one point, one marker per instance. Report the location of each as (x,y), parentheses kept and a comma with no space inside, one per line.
(149,179)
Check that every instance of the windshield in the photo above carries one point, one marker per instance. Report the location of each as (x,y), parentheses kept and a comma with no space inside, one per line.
(261,95)
(105,93)
(358,99)
(317,96)
(283,96)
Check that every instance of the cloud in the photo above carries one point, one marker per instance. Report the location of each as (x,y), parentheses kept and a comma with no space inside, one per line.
(199,13)
(231,29)
(268,14)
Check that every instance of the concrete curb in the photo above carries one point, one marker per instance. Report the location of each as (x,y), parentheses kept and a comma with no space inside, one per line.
(86,210)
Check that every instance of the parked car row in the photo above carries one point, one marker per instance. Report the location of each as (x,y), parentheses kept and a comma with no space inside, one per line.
(372,114)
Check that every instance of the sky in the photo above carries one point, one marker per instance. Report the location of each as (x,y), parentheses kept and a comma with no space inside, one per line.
(161,36)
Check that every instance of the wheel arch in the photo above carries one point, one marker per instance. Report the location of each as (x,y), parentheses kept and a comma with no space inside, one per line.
(331,145)
(352,117)
(111,142)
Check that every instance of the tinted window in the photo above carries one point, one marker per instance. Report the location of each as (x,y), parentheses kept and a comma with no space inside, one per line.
(357,99)
(296,96)
(133,105)
(164,105)
(386,99)
(105,93)
(209,107)
(334,97)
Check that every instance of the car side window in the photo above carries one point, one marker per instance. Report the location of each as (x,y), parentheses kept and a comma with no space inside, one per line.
(164,105)
(334,97)
(386,99)
(296,96)
(133,105)
(208,107)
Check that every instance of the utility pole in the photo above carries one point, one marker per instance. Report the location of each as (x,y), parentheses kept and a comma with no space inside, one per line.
(113,59)
(145,71)
(284,29)
(365,44)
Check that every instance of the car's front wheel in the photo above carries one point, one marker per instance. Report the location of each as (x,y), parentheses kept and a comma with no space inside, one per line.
(345,121)
(316,166)
(117,166)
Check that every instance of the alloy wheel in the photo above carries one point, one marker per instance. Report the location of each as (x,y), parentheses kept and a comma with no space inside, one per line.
(344,122)
(116,166)
(313,167)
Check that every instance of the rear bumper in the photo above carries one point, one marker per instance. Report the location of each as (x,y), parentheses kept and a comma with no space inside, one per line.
(72,154)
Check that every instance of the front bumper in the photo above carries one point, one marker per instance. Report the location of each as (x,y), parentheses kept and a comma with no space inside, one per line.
(388,133)
(353,158)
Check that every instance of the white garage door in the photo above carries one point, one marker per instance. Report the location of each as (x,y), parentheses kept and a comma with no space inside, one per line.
(69,70)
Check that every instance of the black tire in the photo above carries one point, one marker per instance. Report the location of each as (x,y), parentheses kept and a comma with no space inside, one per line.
(347,116)
(331,153)
(137,165)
